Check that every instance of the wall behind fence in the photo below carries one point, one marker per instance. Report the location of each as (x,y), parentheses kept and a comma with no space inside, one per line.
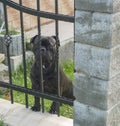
(1,12)
(97,63)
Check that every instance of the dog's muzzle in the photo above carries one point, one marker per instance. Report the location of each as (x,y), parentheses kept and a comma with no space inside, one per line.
(43,50)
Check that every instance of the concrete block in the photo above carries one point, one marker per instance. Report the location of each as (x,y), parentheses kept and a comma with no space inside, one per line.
(115,38)
(96,92)
(66,51)
(98,29)
(115,61)
(2,57)
(115,29)
(93,28)
(115,21)
(91,91)
(97,62)
(16,61)
(113,92)
(85,115)
(29,55)
(113,118)
(3,72)
(3,67)
(107,6)
(92,61)
(15,46)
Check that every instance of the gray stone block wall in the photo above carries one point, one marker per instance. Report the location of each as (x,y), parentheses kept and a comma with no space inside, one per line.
(107,6)
(97,63)
(86,115)
(93,60)
(97,28)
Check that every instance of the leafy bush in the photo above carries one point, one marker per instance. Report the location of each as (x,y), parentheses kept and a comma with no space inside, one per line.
(11,32)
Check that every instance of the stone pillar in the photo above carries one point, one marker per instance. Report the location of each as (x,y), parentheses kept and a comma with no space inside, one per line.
(97,63)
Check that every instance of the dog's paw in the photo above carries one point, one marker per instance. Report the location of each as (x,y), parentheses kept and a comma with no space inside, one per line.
(53,108)
(35,108)
(52,111)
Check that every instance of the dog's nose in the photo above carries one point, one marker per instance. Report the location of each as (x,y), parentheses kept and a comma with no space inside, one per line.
(43,50)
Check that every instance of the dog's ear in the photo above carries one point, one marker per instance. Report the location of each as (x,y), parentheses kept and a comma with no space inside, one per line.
(32,39)
(56,39)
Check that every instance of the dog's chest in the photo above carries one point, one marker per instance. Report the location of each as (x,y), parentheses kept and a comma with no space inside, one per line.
(50,86)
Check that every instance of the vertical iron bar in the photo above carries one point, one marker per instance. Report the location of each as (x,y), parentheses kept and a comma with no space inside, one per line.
(57,53)
(8,54)
(24,52)
(40,60)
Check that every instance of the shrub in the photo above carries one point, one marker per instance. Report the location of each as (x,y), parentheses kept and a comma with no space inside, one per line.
(11,32)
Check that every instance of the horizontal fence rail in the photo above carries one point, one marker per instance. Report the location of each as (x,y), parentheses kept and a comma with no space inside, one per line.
(36,93)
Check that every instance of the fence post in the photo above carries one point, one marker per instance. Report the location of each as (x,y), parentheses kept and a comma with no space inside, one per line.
(97,63)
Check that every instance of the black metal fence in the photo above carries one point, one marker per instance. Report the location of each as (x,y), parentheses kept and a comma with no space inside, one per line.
(39,14)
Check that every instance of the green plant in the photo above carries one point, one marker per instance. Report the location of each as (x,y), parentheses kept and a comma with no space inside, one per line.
(2,123)
(28,45)
(11,32)
(68,68)
(3,92)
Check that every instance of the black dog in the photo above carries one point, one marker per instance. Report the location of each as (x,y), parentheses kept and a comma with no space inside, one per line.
(48,54)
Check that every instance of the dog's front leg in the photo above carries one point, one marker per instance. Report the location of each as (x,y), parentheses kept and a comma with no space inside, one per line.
(54,108)
(36,106)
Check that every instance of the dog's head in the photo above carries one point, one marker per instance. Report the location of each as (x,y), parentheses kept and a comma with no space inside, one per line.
(47,50)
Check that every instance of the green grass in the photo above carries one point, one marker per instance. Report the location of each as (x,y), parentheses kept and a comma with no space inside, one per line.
(2,123)
(68,68)
(18,79)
